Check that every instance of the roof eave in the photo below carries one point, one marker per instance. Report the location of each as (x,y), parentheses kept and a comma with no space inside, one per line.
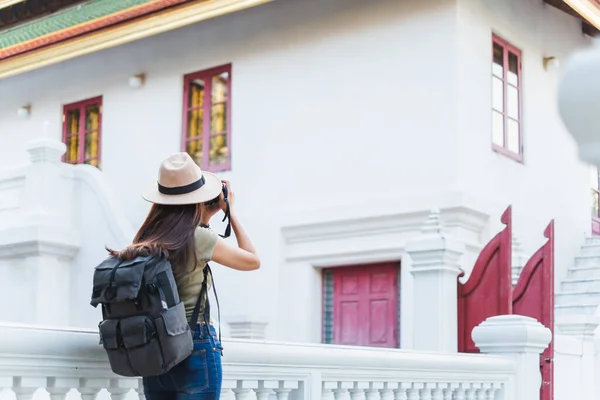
(8,3)
(589,10)
(167,20)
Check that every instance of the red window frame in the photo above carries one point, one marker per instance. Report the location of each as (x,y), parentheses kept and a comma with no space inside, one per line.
(509,48)
(81,105)
(206,76)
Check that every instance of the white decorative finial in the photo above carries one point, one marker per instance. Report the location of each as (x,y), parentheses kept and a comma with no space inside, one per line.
(45,148)
(434,223)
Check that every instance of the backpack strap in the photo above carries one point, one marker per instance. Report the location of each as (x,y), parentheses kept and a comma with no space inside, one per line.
(204,295)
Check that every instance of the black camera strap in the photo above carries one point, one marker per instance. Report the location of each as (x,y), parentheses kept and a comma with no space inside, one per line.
(227,214)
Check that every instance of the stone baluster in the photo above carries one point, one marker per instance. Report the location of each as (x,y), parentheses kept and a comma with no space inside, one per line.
(491,393)
(447,392)
(263,394)
(227,387)
(387,392)
(460,393)
(481,393)
(284,388)
(471,392)
(59,387)
(245,389)
(242,394)
(437,393)
(413,392)
(25,387)
(118,393)
(374,391)
(358,391)
(88,393)
(264,390)
(435,264)
(120,388)
(89,388)
(342,390)
(401,393)
(425,392)
(327,389)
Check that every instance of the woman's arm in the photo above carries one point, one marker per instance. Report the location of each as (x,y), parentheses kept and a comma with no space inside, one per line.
(243,257)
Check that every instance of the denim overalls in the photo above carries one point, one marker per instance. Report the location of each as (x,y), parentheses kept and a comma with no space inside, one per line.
(196,378)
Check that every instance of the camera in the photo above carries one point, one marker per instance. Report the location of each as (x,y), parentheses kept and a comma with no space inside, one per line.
(216,199)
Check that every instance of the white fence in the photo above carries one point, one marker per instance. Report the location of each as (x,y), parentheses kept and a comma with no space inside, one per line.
(60,360)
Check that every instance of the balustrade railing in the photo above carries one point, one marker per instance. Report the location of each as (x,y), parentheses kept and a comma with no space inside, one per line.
(58,361)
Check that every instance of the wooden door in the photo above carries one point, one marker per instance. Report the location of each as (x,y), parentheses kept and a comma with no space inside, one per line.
(365,305)
(488,292)
(533,296)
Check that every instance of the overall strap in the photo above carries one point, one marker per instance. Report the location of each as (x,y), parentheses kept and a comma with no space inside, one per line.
(204,295)
(203,290)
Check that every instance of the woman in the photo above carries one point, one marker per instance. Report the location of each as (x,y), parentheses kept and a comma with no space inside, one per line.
(184,200)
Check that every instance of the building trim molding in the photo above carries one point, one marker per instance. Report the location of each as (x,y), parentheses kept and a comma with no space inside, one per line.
(371,239)
(33,241)
(162,22)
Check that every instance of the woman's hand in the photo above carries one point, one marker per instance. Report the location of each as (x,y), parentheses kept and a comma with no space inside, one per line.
(230,198)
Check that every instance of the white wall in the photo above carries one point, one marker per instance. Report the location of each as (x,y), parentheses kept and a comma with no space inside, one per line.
(331,105)
(341,109)
(552,182)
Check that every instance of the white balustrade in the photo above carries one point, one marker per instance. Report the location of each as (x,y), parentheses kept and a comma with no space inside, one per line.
(68,363)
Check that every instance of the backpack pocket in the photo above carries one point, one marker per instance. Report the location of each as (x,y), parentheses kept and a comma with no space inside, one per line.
(117,283)
(132,346)
(175,336)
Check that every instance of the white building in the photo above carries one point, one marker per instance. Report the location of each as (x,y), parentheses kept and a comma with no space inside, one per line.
(340,123)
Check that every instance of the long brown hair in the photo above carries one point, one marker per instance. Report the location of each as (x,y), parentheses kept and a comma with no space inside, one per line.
(167,231)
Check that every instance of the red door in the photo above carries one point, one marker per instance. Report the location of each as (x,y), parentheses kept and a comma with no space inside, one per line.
(365,305)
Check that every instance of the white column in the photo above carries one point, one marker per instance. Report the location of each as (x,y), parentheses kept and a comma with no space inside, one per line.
(44,241)
(521,339)
(435,268)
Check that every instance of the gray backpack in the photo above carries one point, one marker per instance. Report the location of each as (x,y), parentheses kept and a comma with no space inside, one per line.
(144,328)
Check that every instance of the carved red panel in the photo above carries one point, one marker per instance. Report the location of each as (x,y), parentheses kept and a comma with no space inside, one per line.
(488,292)
(533,296)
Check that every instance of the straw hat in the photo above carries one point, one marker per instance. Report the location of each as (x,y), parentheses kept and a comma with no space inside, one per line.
(181,181)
